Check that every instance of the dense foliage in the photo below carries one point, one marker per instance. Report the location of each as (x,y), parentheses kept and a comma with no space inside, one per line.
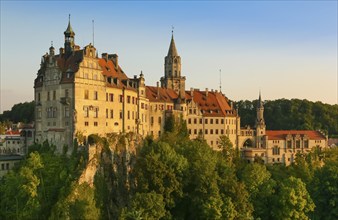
(170,178)
(21,112)
(292,114)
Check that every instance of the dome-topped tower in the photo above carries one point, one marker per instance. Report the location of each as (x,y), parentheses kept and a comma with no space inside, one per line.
(69,39)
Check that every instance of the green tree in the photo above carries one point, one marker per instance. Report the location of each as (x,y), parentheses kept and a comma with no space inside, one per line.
(145,206)
(325,187)
(260,186)
(292,200)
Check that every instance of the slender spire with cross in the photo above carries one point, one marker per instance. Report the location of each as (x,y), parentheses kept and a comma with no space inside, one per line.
(220,80)
(172,30)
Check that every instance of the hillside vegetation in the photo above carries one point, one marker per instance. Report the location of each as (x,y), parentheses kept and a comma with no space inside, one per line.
(171,178)
(294,114)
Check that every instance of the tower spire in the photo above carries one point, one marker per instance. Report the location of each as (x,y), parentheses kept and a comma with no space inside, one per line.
(69,38)
(220,80)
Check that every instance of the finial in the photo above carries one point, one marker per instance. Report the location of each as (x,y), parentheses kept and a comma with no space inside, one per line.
(220,80)
(51,43)
(93,30)
(172,29)
(69,18)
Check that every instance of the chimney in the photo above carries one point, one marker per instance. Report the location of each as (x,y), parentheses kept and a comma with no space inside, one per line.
(212,90)
(158,89)
(216,91)
(232,105)
(62,51)
(206,92)
(192,93)
(105,56)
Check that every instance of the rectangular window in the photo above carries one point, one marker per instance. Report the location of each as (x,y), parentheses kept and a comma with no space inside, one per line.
(206,131)
(189,121)
(195,121)
(211,131)
(96,112)
(189,131)
(107,113)
(289,144)
(54,95)
(306,144)
(96,96)
(128,99)
(121,98)
(66,93)
(86,112)
(111,97)
(222,131)
(216,131)
(222,121)
(206,121)
(86,123)
(297,143)
(111,113)
(67,112)
(39,97)
(54,113)
(128,114)
(48,96)
(195,131)
(216,121)
(133,100)
(142,105)
(86,94)
(211,121)
(201,121)
(96,123)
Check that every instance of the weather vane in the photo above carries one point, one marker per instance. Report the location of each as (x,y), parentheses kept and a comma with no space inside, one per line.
(172,29)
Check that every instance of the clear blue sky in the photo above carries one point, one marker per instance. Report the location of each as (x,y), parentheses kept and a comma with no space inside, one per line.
(287,49)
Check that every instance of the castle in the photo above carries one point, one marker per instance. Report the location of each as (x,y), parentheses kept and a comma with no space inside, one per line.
(78,92)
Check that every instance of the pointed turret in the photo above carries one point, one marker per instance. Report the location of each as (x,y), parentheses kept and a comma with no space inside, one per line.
(172,71)
(69,39)
(260,103)
(172,52)
(260,123)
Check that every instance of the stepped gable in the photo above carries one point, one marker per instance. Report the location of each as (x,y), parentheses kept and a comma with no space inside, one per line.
(281,134)
(165,95)
(212,104)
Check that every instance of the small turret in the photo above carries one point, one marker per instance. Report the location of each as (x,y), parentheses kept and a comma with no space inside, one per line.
(69,39)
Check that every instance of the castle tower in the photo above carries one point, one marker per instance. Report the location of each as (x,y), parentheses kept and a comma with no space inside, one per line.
(260,124)
(172,71)
(69,39)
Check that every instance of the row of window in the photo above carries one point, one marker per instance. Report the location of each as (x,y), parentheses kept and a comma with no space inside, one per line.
(296,144)
(53,95)
(3,166)
(52,112)
(211,120)
(211,131)
(8,151)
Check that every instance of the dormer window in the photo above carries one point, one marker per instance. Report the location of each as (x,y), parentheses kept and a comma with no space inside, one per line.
(68,75)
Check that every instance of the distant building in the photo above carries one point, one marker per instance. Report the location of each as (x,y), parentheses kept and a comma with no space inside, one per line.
(280,146)
(14,145)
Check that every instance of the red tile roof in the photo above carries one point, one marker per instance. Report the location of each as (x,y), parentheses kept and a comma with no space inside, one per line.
(109,70)
(13,132)
(281,134)
(215,104)
(165,95)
